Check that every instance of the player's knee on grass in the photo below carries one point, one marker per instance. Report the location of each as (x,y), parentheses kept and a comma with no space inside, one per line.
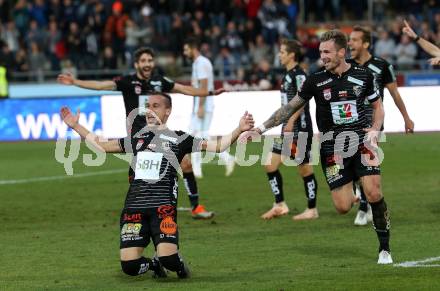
(172,262)
(134,267)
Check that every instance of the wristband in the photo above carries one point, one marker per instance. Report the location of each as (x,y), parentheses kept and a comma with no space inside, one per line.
(417,39)
(262,128)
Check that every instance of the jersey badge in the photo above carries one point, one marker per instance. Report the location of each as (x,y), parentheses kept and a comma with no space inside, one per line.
(139,144)
(157,85)
(166,146)
(327,94)
(137,90)
(357,90)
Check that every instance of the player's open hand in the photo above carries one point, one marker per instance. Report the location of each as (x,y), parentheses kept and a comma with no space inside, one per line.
(435,61)
(246,122)
(408,30)
(66,79)
(67,116)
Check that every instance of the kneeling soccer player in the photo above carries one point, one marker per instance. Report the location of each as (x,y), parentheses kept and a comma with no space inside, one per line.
(150,212)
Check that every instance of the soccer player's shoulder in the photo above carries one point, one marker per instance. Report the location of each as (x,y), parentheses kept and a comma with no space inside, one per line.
(320,76)
(380,60)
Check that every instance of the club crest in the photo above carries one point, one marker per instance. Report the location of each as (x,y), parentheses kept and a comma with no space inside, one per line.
(357,90)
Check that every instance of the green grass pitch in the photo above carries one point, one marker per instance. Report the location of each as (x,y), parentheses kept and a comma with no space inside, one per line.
(63,234)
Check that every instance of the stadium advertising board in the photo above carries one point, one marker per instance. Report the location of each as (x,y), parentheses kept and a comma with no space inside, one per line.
(39,119)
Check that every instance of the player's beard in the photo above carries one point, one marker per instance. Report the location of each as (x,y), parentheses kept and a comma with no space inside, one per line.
(332,65)
(145,74)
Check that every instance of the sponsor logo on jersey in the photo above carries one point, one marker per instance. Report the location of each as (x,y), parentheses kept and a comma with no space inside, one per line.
(300,79)
(327,94)
(374,68)
(168,138)
(357,90)
(354,80)
(136,217)
(157,85)
(168,226)
(324,82)
(343,94)
(138,90)
(166,146)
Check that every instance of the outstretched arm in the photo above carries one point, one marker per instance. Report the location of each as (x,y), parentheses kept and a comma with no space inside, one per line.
(409,124)
(427,46)
(192,91)
(111,146)
(69,79)
(282,114)
(221,143)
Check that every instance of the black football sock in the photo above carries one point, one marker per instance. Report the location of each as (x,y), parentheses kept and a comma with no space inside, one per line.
(311,188)
(276,184)
(191,187)
(175,263)
(363,203)
(381,223)
(136,267)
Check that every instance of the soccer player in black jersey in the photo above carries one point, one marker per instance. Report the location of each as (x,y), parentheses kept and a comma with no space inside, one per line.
(299,124)
(359,44)
(348,140)
(149,212)
(135,88)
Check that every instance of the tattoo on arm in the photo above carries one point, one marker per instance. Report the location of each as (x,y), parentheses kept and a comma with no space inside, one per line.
(285,112)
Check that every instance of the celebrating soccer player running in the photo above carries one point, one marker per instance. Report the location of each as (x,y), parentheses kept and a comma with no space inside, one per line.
(348,144)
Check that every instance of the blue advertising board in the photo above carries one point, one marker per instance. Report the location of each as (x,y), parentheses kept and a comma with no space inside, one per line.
(39,119)
(422,80)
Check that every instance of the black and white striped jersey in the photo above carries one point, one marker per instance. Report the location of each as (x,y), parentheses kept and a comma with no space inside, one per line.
(156,161)
(290,85)
(383,73)
(340,106)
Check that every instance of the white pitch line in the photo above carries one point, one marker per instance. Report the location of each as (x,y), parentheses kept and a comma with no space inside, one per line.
(411,264)
(61,177)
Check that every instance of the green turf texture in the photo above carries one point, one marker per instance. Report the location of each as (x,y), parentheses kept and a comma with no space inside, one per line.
(63,235)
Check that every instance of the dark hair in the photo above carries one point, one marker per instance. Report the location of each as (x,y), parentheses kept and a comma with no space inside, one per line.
(337,36)
(292,46)
(168,102)
(192,42)
(142,50)
(366,33)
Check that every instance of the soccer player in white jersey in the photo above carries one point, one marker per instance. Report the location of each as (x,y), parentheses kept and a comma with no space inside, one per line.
(202,77)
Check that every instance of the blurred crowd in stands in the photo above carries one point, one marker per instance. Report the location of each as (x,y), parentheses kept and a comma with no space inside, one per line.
(239,36)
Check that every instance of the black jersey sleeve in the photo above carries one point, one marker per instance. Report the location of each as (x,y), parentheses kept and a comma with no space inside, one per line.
(188,143)
(388,74)
(371,89)
(306,91)
(121,83)
(167,84)
(125,144)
